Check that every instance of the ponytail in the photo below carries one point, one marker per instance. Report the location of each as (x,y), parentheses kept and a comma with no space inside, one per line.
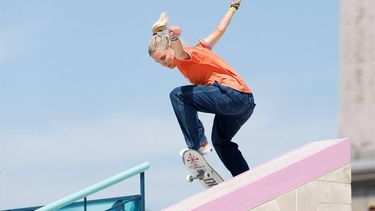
(161,24)
(159,40)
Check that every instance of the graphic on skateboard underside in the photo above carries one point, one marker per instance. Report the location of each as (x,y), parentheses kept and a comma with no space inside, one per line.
(200,169)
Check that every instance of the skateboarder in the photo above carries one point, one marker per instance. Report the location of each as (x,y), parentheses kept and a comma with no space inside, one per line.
(216,88)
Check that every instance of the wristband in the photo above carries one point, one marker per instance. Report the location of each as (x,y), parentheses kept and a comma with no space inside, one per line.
(233,9)
(235,6)
(173,38)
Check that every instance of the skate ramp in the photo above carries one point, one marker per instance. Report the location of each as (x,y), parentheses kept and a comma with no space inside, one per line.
(314,177)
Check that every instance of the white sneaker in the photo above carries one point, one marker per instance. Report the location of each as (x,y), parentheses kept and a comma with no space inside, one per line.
(205,148)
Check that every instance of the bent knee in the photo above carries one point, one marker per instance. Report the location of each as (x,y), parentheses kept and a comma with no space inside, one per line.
(175,93)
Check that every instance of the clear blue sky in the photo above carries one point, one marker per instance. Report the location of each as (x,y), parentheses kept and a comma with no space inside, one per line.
(81,100)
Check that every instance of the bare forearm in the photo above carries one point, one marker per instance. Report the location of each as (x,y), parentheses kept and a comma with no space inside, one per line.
(174,32)
(219,31)
(225,21)
(179,51)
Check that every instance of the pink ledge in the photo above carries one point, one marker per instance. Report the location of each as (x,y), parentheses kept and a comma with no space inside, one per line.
(270,180)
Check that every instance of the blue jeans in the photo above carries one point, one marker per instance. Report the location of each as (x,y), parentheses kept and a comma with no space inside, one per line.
(231,108)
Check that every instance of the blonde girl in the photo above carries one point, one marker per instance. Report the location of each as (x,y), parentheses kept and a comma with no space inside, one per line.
(215,88)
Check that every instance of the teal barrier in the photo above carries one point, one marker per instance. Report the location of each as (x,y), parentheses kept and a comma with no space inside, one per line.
(127,203)
(140,169)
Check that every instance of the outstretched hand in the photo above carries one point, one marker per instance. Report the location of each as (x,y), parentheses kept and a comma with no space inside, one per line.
(174,31)
(236,1)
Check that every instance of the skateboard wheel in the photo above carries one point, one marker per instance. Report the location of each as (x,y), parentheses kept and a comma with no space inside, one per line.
(182,151)
(207,175)
(189,178)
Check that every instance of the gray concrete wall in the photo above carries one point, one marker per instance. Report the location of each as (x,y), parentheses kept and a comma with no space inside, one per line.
(357,76)
(331,192)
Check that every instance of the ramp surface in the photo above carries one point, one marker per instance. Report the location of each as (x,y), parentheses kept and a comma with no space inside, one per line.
(312,168)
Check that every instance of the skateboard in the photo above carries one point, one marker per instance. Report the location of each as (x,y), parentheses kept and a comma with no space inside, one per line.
(200,169)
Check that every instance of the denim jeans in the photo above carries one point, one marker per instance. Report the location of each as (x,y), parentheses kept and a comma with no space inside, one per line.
(231,108)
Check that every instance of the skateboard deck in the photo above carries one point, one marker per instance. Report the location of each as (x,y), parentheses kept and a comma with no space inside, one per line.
(199,169)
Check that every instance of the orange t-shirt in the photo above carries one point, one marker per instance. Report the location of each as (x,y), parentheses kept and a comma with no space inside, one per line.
(204,67)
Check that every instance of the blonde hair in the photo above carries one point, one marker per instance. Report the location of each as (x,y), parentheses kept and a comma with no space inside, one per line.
(159,40)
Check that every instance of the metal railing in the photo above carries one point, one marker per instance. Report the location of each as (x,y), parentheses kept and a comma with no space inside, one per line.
(140,169)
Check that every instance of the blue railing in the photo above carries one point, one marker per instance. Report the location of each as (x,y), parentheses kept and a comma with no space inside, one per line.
(140,169)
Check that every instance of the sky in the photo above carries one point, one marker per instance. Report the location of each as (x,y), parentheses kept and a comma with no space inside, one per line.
(81,100)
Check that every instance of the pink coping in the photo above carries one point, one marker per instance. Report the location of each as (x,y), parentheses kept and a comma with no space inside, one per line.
(284,180)
(269,187)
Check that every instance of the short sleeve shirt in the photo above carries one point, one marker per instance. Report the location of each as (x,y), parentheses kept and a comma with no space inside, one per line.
(204,67)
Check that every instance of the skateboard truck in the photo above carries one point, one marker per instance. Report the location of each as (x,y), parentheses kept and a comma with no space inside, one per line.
(201,175)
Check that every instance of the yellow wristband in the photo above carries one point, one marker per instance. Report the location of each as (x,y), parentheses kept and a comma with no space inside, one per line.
(233,9)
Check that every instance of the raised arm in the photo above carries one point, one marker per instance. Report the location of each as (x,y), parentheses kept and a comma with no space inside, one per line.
(174,32)
(212,38)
